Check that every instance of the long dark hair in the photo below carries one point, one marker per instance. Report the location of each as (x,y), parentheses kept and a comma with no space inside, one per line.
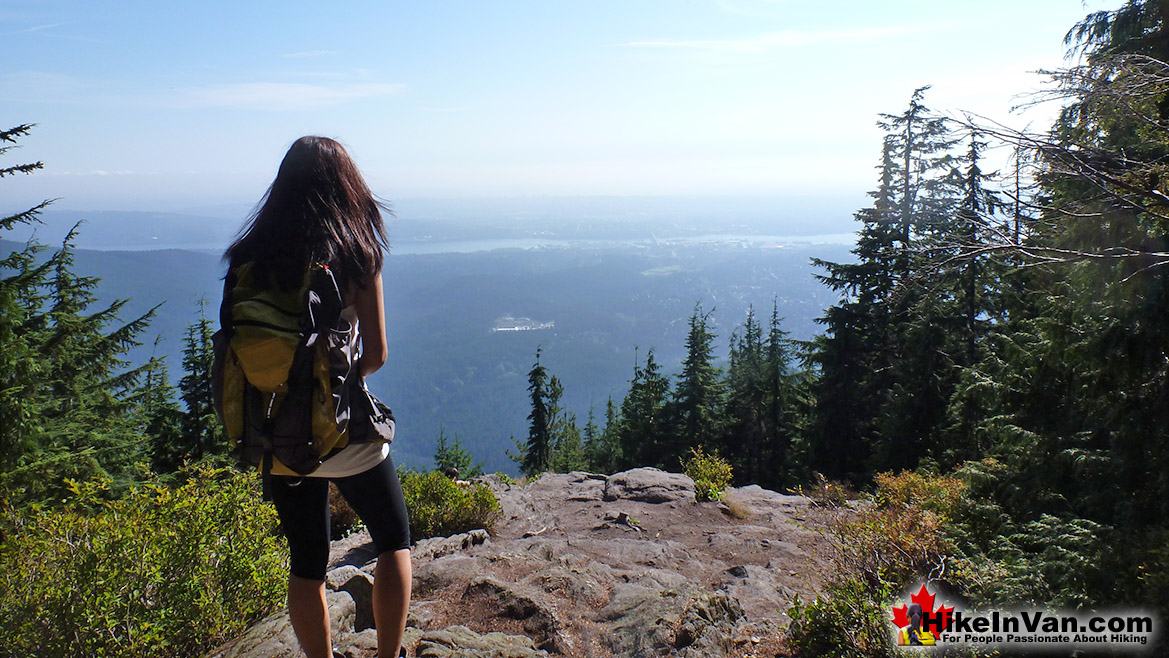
(318,209)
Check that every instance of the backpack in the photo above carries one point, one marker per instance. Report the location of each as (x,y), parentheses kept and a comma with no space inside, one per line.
(284,365)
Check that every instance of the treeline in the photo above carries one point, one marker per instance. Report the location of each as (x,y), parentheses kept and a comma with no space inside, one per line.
(1009,328)
(749,413)
(71,405)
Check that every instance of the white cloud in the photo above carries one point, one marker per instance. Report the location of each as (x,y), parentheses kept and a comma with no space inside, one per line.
(30,30)
(38,28)
(781,39)
(282,95)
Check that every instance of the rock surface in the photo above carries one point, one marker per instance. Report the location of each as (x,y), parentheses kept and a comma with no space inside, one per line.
(273,637)
(649,485)
(585,565)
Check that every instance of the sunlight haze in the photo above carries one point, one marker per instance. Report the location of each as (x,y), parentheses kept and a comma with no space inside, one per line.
(175,106)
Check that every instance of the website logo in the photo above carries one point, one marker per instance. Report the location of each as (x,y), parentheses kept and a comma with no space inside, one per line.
(918,623)
(924,621)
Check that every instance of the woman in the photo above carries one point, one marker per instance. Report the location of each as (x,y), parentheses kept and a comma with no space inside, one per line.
(319,210)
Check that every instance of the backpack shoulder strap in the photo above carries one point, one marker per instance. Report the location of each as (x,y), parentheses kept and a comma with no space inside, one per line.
(229,282)
(325,301)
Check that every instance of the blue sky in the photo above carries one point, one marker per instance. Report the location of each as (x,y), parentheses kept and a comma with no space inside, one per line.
(173,105)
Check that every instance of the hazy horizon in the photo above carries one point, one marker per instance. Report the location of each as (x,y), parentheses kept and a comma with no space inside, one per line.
(434,220)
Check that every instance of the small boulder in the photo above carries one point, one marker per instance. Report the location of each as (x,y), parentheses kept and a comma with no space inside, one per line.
(358,584)
(584,487)
(363,644)
(436,547)
(649,485)
(462,642)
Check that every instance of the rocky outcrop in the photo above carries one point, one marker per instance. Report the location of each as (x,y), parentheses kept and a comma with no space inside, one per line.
(649,485)
(273,637)
(587,565)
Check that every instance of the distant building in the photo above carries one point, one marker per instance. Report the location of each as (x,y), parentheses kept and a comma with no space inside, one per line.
(509,323)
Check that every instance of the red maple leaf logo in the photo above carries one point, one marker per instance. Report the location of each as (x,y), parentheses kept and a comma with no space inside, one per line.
(926,600)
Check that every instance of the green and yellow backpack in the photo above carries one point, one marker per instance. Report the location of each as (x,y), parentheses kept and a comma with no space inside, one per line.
(285,361)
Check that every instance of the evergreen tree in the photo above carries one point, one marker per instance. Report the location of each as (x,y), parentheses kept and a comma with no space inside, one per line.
(568,450)
(201,433)
(590,438)
(785,408)
(761,405)
(642,431)
(918,368)
(975,302)
(599,442)
(160,415)
(66,392)
(694,409)
(851,356)
(884,376)
(747,404)
(536,455)
(20,294)
(450,453)
(604,452)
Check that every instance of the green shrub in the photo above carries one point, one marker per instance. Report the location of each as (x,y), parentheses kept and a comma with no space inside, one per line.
(711,474)
(898,540)
(160,571)
(939,494)
(903,536)
(439,507)
(848,621)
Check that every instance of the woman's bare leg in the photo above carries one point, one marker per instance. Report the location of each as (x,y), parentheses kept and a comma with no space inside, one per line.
(309,613)
(391,600)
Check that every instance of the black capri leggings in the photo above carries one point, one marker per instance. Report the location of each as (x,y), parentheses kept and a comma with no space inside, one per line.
(303,506)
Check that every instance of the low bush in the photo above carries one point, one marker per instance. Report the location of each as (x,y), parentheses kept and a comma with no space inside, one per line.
(827,493)
(934,493)
(898,540)
(159,571)
(848,621)
(440,507)
(904,535)
(711,474)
